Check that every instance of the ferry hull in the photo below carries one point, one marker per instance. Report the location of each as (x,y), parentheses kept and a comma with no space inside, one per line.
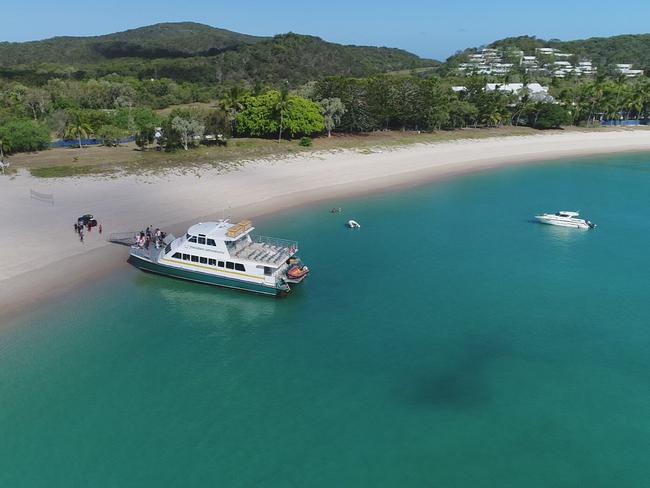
(197,277)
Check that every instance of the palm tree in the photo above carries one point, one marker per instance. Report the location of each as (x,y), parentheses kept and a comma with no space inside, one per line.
(281,106)
(597,92)
(633,105)
(641,97)
(231,104)
(523,104)
(76,128)
(620,83)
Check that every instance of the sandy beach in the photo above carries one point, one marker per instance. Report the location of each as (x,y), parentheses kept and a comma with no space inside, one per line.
(42,256)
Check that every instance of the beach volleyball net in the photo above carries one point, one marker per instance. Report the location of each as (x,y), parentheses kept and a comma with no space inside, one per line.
(42,197)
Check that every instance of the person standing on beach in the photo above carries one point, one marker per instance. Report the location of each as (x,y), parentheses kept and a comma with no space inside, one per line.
(100,229)
(81,235)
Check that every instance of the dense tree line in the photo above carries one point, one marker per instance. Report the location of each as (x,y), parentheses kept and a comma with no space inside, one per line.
(115,107)
(414,103)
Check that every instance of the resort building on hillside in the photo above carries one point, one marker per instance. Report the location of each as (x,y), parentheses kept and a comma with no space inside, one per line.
(587,68)
(547,51)
(536,91)
(547,61)
(626,69)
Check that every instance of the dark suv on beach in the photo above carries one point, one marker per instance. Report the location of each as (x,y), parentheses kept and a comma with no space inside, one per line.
(87,220)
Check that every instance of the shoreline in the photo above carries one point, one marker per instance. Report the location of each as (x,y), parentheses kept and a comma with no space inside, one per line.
(51,262)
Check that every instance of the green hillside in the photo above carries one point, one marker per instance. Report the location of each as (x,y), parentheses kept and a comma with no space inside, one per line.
(196,53)
(168,40)
(610,50)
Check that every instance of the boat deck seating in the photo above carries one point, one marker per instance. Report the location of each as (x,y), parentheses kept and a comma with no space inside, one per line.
(262,252)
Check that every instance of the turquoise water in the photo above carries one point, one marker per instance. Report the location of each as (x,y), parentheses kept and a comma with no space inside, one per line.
(450,342)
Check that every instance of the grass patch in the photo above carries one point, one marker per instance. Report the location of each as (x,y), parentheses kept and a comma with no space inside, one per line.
(66,171)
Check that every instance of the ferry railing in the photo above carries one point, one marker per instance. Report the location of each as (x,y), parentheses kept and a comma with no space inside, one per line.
(292,246)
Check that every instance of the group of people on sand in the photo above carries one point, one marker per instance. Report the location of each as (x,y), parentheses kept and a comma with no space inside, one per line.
(79,229)
(148,236)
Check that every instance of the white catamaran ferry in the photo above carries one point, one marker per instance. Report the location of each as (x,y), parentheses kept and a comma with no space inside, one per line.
(223,254)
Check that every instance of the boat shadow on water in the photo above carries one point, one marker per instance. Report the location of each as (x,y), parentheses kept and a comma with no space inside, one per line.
(188,299)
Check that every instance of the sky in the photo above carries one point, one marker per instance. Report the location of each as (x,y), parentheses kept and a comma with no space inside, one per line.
(434,29)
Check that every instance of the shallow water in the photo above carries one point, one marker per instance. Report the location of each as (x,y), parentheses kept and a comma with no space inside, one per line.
(449,342)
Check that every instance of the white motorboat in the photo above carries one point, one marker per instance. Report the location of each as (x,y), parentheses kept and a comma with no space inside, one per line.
(565,218)
(353,224)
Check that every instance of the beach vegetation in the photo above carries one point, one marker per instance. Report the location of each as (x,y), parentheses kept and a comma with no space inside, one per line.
(272,113)
(548,116)
(188,130)
(231,103)
(23,135)
(145,137)
(281,106)
(77,127)
(110,135)
(332,110)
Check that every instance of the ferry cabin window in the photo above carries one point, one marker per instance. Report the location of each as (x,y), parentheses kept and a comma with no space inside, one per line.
(239,267)
(268,271)
(186,257)
(192,239)
(221,263)
(195,259)
(201,240)
(211,242)
(230,265)
(204,260)
(212,262)
(177,255)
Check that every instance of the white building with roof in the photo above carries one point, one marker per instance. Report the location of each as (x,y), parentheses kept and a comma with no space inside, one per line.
(546,50)
(536,91)
(626,69)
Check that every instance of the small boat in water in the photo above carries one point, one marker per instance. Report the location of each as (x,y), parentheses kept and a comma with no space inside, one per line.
(297,273)
(565,218)
(353,224)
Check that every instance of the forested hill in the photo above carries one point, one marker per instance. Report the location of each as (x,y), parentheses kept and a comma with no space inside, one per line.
(603,51)
(197,53)
(167,40)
